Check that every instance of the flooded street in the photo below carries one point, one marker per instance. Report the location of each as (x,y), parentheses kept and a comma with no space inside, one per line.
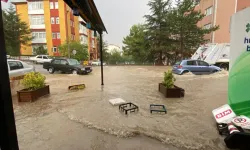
(86,120)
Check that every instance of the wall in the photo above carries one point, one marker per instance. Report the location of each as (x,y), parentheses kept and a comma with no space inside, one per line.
(242,4)
(202,6)
(225,9)
(22,10)
(46,7)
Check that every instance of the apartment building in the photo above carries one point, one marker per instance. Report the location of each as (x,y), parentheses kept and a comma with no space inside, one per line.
(219,12)
(52,23)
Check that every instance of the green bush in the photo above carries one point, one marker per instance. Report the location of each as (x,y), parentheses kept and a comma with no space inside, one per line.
(33,81)
(169,79)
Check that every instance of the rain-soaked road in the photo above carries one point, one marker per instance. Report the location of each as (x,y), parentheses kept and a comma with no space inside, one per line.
(62,120)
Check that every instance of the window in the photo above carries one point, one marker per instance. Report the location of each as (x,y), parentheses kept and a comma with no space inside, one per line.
(63,62)
(202,63)
(45,57)
(35,5)
(52,20)
(54,49)
(191,63)
(209,11)
(14,65)
(56,61)
(197,2)
(58,35)
(207,26)
(73,37)
(53,35)
(39,35)
(57,20)
(36,19)
(39,57)
(51,5)
(56,5)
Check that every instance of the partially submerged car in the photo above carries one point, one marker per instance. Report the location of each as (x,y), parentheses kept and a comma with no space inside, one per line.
(67,66)
(18,68)
(195,67)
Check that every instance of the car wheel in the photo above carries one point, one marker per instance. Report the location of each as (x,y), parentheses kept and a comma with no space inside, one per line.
(51,70)
(224,66)
(74,72)
(184,72)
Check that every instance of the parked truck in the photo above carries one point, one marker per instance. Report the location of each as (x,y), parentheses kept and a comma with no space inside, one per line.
(214,54)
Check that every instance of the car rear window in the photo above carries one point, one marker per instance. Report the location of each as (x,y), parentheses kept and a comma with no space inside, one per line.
(191,63)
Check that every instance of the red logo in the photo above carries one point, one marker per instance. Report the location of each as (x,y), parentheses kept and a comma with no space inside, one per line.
(223,114)
(240,120)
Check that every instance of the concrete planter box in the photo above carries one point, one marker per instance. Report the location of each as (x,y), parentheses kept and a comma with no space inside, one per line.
(30,96)
(175,92)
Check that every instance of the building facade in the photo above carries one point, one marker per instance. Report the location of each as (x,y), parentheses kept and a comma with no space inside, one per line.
(219,12)
(52,23)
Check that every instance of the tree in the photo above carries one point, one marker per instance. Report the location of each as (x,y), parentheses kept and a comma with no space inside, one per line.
(16,32)
(136,45)
(158,30)
(184,30)
(81,50)
(115,57)
(40,51)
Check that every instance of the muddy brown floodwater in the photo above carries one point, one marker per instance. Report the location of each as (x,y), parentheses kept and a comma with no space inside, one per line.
(85,119)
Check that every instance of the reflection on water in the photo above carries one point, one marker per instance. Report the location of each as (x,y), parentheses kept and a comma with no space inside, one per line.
(187,124)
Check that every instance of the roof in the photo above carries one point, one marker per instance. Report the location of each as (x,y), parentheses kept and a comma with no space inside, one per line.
(88,12)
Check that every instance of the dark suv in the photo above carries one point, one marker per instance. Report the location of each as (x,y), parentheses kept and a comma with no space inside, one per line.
(67,66)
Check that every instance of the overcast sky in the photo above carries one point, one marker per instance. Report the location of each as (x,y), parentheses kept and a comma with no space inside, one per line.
(118,16)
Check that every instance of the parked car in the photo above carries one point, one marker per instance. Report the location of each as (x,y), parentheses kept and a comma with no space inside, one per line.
(97,63)
(194,66)
(67,66)
(19,68)
(40,59)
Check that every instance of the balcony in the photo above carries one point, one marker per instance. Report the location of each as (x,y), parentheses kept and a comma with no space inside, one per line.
(18,1)
(39,40)
(42,26)
(36,12)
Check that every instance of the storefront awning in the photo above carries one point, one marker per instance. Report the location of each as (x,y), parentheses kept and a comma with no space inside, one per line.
(89,13)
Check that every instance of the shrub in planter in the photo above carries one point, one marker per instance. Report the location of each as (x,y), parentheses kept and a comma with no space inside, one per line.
(168,88)
(35,87)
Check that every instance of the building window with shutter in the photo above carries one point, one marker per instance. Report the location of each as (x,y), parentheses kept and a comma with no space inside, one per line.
(54,49)
(56,5)
(52,20)
(209,11)
(57,20)
(58,35)
(53,35)
(51,5)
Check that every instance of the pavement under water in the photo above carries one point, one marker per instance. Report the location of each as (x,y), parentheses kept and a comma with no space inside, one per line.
(188,124)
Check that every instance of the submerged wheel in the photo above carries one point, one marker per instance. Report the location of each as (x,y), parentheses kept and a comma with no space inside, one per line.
(184,72)
(51,70)
(74,72)
(224,66)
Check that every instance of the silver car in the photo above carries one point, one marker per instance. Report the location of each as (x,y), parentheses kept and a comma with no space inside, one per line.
(19,68)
